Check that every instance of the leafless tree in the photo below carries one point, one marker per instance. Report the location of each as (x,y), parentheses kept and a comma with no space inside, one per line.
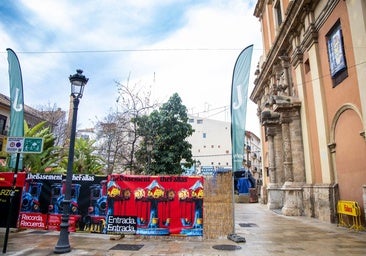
(56,120)
(116,134)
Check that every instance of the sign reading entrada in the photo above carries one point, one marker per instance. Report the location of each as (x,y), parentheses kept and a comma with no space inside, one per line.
(121,224)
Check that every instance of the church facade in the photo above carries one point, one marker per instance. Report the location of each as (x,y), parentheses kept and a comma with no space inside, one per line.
(311,96)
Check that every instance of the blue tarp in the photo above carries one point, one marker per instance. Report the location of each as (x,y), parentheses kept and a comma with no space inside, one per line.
(243,185)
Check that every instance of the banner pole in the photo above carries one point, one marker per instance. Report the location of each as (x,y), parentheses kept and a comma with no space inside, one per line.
(12,195)
(238,108)
(233,198)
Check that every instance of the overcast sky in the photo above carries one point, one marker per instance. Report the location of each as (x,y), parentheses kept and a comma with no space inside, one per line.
(184,46)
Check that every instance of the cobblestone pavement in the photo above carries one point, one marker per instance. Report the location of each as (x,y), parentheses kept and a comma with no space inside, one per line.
(266,233)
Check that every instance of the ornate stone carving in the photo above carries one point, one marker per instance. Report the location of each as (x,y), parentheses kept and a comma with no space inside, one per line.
(268,115)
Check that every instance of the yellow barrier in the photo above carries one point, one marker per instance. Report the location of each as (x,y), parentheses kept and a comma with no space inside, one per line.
(350,208)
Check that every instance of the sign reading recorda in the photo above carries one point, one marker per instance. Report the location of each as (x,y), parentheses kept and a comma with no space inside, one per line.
(24,145)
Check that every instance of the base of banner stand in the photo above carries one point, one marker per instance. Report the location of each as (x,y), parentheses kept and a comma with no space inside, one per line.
(236,238)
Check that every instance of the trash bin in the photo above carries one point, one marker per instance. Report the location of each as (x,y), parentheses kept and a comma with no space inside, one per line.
(253,195)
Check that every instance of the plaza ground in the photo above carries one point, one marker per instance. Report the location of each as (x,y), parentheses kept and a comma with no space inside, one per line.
(266,233)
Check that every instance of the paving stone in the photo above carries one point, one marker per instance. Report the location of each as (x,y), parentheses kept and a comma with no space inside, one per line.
(266,233)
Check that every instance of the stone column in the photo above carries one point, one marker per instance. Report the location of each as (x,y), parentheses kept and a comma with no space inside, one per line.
(271,154)
(364,199)
(293,191)
(297,147)
(275,194)
(358,29)
(278,145)
(320,117)
(305,151)
(332,150)
(286,142)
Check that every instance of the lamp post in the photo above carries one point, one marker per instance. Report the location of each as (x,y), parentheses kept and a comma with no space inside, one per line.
(77,81)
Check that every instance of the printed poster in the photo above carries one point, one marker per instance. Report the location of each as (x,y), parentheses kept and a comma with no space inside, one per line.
(155,205)
(43,196)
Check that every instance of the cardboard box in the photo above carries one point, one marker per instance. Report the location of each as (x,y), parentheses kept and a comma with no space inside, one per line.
(242,198)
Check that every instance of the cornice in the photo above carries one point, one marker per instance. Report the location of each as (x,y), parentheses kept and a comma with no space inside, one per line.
(310,37)
(311,34)
(297,57)
(328,9)
(291,24)
(279,45)
(258,8)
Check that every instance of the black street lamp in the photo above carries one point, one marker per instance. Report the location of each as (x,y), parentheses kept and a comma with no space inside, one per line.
(78,81)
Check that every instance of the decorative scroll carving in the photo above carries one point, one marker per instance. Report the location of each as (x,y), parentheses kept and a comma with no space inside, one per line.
(268,115)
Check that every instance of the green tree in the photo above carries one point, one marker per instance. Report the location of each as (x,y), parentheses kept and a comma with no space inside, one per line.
(86,161)
(164,147)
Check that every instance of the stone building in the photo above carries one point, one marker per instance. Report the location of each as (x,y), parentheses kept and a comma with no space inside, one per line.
(311,97)
(253,154)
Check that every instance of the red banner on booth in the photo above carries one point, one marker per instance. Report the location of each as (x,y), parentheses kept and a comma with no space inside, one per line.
(160,205)
(127,204)
(6,179)
(6,184)
(32,220)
